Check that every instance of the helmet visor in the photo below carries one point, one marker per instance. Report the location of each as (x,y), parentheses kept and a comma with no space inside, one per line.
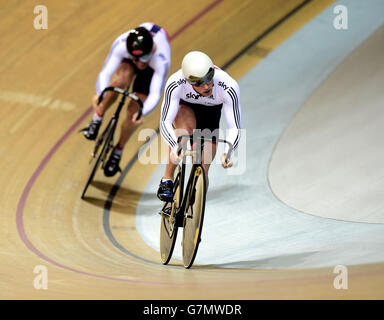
(200,81)
(145,58)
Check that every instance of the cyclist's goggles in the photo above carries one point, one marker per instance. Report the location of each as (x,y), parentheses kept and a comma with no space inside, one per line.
(145,58)
(197,82)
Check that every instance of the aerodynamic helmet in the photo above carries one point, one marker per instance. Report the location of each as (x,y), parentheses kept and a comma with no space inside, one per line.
(197,68)
(140,43)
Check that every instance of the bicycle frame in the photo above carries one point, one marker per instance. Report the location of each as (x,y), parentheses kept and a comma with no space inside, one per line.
(180,211)
(115,116)
(185,199)
(125,94)
(107,135)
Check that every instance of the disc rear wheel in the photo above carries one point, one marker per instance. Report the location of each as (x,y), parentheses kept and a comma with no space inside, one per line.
(194,216)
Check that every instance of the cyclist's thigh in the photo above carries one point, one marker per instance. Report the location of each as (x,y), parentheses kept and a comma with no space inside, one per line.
(124,75)
(209,153)
(133,106)
(185,120)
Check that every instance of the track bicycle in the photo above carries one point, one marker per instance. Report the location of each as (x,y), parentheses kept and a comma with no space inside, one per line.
(186,210)
(104,143)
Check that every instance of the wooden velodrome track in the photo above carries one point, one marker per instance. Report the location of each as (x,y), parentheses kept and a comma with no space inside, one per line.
(48,78)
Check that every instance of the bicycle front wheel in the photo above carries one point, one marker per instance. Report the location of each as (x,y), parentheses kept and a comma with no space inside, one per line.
(108,144)
(194,216)
(169,227)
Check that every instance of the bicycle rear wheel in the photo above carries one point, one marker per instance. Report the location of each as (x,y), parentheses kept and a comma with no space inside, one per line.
(108,144)
(194,216)
(168,226)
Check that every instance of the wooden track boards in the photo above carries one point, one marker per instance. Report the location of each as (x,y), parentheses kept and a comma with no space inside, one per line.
(49,80)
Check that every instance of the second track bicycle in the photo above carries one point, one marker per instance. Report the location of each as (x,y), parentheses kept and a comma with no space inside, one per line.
(104,143)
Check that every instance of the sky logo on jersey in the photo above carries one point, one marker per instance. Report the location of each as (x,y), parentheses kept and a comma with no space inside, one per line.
(181,81)
(223,85)
(162,57)
(193,95)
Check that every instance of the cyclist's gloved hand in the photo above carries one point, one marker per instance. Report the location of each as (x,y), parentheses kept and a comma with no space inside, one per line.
(226,164)
(134,117)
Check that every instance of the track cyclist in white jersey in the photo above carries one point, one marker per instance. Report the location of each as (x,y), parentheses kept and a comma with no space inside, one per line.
(142,54)
(193,99)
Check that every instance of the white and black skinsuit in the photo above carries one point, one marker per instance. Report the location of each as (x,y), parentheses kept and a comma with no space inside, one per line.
(225,92)
(159,62)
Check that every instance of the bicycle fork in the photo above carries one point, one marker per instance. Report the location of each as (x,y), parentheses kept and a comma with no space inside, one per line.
(191,192)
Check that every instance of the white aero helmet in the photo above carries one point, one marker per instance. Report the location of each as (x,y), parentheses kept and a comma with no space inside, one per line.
(197,68)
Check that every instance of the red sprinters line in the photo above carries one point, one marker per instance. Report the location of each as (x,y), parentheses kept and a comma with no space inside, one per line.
(23,199)
(194,19)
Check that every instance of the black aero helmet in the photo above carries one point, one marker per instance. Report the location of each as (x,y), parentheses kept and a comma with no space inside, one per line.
(139,42)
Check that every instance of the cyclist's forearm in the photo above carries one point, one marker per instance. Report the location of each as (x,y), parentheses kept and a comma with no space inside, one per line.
(168,134)
(109,98)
